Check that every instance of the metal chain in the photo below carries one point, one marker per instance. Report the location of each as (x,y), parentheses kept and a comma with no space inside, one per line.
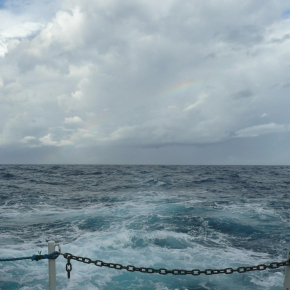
(68,267)
(162,271)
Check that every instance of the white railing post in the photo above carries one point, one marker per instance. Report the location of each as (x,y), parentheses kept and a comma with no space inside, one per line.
(51,266)
(286,284)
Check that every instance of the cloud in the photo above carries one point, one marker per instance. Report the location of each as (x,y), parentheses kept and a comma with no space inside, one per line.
(27,139)
(73,120)
(22,19)
(285,37)
(115,73)
(258,130)
(14,30)
(47,141)
(201,100)
(243,94)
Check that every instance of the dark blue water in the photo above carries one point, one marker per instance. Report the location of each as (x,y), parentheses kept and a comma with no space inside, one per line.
(184,217)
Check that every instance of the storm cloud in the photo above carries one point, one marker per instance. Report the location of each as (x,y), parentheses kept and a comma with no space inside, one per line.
(166,82)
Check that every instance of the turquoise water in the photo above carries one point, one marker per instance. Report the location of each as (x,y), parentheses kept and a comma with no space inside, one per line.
(175,217)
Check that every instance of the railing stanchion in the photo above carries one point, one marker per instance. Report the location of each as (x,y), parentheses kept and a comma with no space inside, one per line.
(51,267)
(286,284)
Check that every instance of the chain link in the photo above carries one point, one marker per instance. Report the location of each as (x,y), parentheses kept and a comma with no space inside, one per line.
(68,267)
(162,271)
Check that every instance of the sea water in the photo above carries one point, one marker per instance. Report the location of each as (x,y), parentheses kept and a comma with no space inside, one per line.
(174,217)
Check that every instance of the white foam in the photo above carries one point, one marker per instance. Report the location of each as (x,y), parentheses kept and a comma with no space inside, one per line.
(121,242)
(267,282)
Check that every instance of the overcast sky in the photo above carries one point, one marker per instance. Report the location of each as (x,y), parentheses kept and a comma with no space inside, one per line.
(145,81)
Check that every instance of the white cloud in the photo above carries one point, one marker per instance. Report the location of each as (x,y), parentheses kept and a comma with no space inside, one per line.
(258,130)
(47,141)
(201,99)
(73,120)
(192,106)
(14,26)
(28,139)
(65,30)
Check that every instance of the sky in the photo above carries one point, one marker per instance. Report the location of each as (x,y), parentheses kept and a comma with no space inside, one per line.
(189,82)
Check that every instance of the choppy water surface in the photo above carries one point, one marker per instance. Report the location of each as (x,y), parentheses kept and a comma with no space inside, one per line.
(175,217)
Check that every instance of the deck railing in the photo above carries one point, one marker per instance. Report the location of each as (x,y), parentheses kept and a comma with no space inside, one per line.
(52,255)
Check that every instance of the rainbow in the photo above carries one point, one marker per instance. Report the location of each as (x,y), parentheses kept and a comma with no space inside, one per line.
(169,92)
(179,88)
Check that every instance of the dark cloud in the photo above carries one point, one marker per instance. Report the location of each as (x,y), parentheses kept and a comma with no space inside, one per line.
(211,55)
(244,35)
(282,39)
(243,94)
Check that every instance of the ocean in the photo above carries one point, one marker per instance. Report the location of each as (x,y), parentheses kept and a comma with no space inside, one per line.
(174,217)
